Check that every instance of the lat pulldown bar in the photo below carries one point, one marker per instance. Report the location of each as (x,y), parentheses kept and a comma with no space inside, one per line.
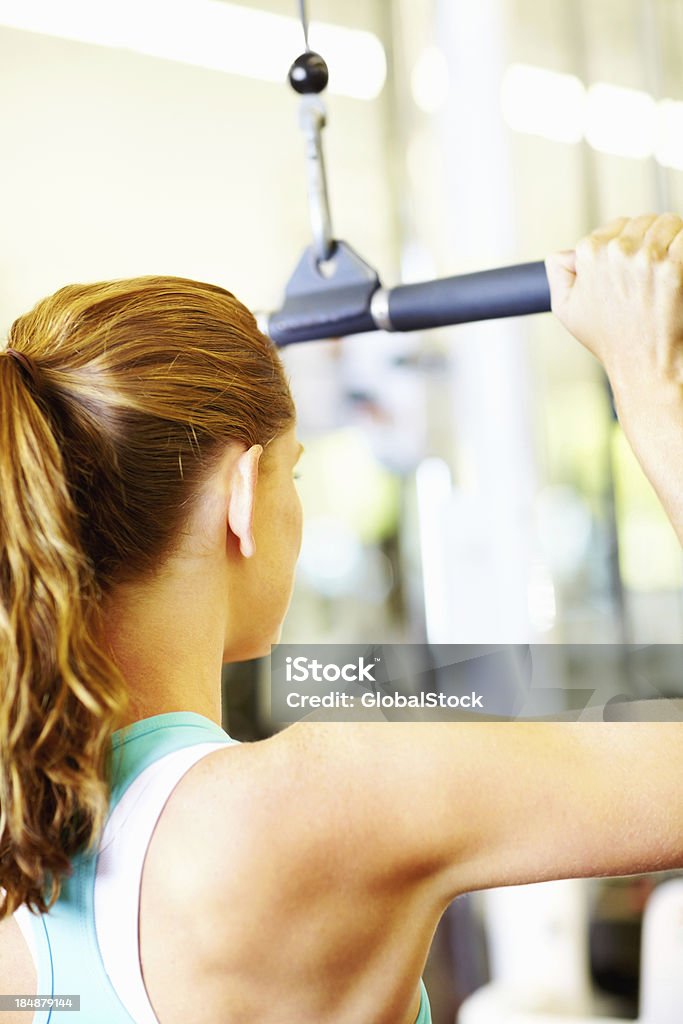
(333,292)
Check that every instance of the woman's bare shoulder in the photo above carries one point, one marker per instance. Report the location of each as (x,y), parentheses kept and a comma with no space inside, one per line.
(259,806)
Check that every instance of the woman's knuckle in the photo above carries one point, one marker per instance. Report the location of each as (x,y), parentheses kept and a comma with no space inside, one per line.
(668,220)
(589,246)
(671,272)
(649,254)
(620,247)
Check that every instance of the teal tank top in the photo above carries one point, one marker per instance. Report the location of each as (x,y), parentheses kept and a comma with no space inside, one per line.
(67,954)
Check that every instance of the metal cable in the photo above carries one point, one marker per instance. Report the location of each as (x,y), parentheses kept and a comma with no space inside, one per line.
(304,22)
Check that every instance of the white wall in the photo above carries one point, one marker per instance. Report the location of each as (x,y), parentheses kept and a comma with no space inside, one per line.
(114,164)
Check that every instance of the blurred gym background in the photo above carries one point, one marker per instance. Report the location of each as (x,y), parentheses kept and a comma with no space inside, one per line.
(468,484)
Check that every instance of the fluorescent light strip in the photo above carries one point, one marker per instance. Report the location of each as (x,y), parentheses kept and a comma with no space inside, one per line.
(540,102)
(209,34)
(623,122)
(430,80)
(669,148)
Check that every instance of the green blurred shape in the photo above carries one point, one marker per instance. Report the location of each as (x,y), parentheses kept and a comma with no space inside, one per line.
(649,551)
(340,477)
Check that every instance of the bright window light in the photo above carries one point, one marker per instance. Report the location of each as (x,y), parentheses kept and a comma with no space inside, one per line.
(430,80)
(541,102)
(209,34)
(669,149)
(541,598)
(621,121)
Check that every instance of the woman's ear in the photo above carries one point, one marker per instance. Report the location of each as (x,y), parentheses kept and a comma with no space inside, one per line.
(243,498)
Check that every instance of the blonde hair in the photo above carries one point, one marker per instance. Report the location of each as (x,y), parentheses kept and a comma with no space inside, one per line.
(134,389)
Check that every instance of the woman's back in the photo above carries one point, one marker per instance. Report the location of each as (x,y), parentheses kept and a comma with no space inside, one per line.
(288,951)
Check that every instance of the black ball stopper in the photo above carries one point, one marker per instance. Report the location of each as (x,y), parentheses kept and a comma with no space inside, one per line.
(308,73)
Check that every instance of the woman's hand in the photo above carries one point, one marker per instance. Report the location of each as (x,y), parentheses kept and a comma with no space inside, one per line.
(621,295)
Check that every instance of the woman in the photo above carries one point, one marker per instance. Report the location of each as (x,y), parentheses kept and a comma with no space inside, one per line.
(150,529)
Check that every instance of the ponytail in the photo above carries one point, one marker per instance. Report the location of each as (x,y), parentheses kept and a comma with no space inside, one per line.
(60,696)
(116,399)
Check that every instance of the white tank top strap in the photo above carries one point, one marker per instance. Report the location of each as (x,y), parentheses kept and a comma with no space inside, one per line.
(122,851)
(22,915)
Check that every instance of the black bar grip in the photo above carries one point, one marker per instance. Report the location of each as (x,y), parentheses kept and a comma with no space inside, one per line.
(485,295)
(316,308)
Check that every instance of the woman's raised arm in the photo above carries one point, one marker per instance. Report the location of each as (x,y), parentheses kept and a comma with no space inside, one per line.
(464,805)
(621,294)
